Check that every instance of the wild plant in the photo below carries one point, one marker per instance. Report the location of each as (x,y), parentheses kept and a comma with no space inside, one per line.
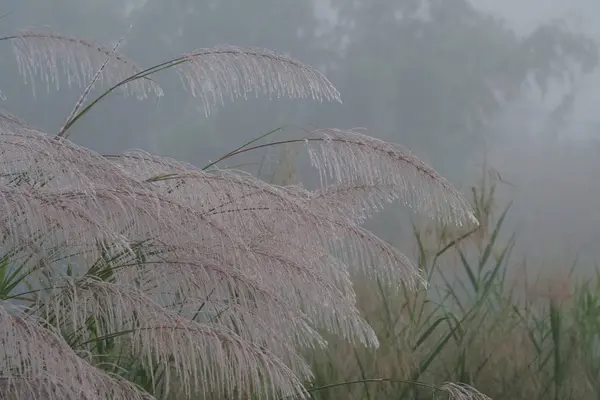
(485,321)
(131,276)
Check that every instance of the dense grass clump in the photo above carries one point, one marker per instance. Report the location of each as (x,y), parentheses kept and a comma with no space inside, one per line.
(135,276)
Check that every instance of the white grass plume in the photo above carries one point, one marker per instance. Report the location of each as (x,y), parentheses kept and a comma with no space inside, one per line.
(463,392)
(47,56)
(217,277)
(249,252)
(367,171)
(37,363)
(228,71)
(157,334)
(211,74)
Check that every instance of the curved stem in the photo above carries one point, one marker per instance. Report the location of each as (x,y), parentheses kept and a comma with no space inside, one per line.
(63,131)
(242,146)
(260,146)
(139,75)
(142,74)
(368,380)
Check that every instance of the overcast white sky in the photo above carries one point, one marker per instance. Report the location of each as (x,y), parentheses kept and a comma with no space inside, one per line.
(583,15)
(526,14)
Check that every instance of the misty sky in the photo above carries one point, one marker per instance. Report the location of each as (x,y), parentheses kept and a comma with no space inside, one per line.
(416,93)
(524,15)
(583,15)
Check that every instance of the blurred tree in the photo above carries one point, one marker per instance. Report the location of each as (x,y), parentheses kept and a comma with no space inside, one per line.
(427,73)
(431,74)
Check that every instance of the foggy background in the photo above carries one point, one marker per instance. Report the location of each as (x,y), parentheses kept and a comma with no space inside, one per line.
(450,79)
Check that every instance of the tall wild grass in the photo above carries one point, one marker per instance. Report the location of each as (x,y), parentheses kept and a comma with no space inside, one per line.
(135,276)
(490,323)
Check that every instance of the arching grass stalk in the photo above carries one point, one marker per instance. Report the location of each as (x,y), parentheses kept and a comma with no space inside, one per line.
(89,88)
(443,389)
(143,74)
(234,151)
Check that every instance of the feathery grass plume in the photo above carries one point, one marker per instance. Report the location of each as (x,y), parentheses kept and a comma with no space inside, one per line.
(9,121)
(215,73)
(215,360)
(463,392)
(282,233)
(368,171)
(285,216)
(50,164)
(79,217)
(111,216)
(209,73)
(45,55)
(36,363)
(233,224)
(242,301)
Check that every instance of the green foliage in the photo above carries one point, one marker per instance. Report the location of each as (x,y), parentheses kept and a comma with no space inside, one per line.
(483,324)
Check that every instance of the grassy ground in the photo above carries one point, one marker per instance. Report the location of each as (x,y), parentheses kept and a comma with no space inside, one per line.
(487,324)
